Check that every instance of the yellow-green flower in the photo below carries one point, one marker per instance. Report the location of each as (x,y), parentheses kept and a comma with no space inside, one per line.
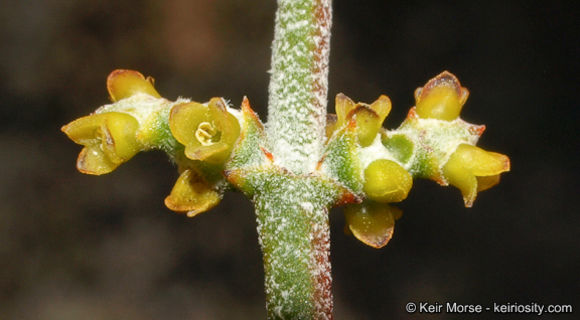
(368,118)
(192,194)
(472,169)
(207,132)
(386,181)
(372,223)
(109,140)
(110,137)
(441,98)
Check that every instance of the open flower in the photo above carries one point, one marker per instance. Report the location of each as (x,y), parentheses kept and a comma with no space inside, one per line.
(472,169)
(386,181)
(372,223)
(192,194)
(441,98)
(368,118)
(110,137)
(207,132)
(109,140)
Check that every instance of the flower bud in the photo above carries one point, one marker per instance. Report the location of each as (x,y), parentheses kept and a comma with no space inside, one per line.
(109,140)
(122,84)
(207,132)
(441,98)
(372,223)
(192,194)
(472,169)
(386,181)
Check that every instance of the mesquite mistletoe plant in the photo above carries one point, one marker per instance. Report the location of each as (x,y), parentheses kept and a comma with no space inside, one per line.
(301,162)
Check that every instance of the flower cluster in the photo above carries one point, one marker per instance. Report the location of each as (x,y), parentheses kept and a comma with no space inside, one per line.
(469,168)
(110,138)
(384,180)
(433,142)
(199,137)
(375,166)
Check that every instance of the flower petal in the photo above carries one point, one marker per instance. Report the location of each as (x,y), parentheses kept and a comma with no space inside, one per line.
(343,105)
(372,223)
(109,139)
(479,161)
(386,181)
(226,123)
(441,98)
(122,84)
(184,120)
(457,175)
(215,153)
(382,106)
(472,169)
(83,130)
(369,118)
(92,160)
(192,194)
(484,183)
(368,123)
(119,141)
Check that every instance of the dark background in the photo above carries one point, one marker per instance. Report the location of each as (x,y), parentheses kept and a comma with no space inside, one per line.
(81,247)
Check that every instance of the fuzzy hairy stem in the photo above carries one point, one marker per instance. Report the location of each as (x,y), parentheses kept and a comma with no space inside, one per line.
(292,221)
(295,239)
(298,84)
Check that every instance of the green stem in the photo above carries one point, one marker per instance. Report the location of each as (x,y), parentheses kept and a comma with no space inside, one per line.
(298,85)
(295,239)
(291,212)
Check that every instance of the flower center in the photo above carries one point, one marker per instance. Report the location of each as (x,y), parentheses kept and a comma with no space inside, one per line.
(207,134)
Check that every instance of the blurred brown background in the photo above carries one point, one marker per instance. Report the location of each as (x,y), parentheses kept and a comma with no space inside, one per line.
(80,247)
